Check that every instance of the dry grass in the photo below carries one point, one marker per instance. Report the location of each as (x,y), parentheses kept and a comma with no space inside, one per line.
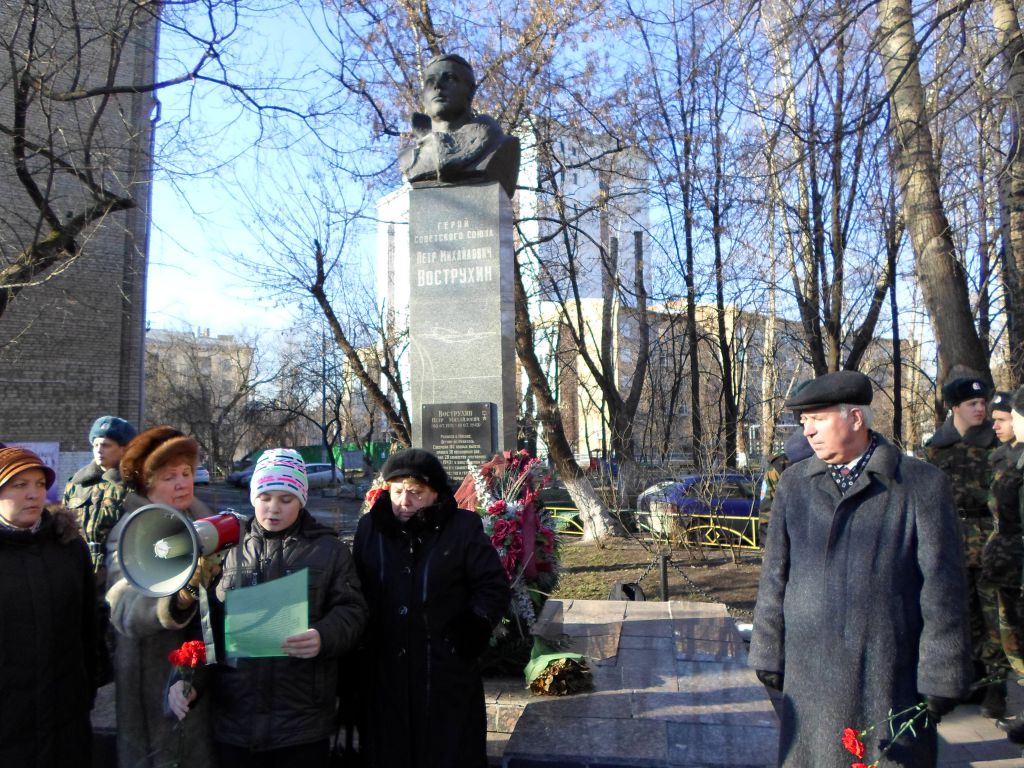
(589,571)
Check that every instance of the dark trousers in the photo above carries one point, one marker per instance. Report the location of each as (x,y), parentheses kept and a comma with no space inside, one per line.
(313,755)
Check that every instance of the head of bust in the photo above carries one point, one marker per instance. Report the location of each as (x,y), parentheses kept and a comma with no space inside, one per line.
(448,88)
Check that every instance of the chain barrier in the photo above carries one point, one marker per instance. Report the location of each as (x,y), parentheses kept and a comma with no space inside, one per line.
(693,587)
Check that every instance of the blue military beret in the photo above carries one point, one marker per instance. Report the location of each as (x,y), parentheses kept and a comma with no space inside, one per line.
(965,388)
(117,429)
(849,387)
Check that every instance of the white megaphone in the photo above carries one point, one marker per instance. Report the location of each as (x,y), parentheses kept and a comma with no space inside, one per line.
(159,547)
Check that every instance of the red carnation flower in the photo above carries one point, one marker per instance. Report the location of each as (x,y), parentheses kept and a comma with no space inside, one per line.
(853,744)
(375,493)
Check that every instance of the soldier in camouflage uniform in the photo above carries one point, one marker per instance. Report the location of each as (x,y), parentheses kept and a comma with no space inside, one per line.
(796,449)
(1008,497)
(1003,556)
(95,493)
(960,448)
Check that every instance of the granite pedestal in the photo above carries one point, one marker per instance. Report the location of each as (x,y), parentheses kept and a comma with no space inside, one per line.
(462,322)
(671,688)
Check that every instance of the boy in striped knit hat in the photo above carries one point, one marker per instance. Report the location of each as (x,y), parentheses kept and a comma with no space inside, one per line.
(277,710)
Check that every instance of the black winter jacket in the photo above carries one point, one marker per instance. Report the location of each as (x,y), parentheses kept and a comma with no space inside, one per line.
(47,644)
(278,702)
(429,583)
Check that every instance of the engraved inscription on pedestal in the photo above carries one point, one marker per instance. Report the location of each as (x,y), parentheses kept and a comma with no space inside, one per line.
(461,314)
(459,434)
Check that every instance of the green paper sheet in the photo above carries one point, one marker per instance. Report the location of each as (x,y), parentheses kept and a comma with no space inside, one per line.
(258,619)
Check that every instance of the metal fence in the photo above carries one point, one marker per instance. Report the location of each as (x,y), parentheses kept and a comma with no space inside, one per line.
(675,529)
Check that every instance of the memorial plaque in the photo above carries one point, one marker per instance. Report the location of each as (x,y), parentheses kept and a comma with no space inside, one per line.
(459,434)
(461,312)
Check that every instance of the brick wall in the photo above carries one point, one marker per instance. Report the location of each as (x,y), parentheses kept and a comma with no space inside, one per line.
(71,347)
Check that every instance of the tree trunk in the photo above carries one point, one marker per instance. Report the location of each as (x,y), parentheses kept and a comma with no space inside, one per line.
(1011,183)
(942,277)
(598,523)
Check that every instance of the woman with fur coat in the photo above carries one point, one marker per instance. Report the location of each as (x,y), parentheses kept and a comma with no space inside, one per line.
(157,467)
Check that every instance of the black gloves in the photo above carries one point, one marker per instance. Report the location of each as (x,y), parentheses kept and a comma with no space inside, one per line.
(469,634)
(939,706)
(771,680)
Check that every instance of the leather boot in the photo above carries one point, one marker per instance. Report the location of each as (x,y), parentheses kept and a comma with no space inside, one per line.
(993,706)
(1015,730)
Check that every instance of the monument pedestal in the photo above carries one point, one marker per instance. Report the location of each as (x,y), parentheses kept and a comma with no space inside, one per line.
(462,323)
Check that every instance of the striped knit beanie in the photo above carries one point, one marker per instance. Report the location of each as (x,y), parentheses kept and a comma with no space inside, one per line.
(280,469)
(14,461)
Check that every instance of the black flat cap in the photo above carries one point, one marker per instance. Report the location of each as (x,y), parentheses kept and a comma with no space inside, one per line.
(1001,401)
(964,388)
(850,387)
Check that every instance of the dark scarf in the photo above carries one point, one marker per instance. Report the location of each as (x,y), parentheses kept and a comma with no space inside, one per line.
(845,476)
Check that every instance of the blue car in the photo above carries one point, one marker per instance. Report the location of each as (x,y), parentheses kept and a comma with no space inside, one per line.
(715,510)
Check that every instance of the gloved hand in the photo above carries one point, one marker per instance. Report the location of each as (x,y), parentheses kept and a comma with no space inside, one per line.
(771,680)
(469,634)
(939,706)
(207,569)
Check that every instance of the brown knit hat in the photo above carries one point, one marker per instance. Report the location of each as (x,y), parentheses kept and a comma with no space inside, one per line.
(155,448)
(16,460)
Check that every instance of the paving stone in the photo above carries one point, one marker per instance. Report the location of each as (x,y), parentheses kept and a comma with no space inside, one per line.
(599,704)
(648,627)
(722,746)
(637,609)
(710,693)
(611,740)
(696,649)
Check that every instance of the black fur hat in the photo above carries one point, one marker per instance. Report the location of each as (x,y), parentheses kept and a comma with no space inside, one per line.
(1001,401)
(420,464)
(964,388)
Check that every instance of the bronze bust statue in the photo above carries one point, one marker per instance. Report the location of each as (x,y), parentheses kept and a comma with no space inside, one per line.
(454,145)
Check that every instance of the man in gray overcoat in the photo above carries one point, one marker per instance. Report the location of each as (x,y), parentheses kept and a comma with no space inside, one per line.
(862,587)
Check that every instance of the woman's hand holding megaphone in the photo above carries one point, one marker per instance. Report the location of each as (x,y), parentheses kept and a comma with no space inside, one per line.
(207,569)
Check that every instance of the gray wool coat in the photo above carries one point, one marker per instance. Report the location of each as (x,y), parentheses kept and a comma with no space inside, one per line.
(148,628)
(865,595)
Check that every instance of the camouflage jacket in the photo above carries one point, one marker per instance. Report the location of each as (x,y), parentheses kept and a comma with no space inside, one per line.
(776,467)
(97,499)
(1003,555)
(1005,501)
(965,460)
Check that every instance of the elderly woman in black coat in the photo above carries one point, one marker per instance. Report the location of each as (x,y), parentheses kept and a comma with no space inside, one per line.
(435,588)
(47,623)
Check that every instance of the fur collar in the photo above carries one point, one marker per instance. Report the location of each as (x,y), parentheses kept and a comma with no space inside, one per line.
(90,474)
(948,435)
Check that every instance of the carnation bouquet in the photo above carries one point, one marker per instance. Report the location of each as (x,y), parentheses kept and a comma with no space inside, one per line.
(521,530)
(185,659)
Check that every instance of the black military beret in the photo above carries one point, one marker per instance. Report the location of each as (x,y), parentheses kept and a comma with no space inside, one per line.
(849,387)
(1001,401)
(965,388)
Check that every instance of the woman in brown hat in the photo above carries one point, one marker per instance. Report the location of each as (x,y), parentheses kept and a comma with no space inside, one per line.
(47,622)
(157,467)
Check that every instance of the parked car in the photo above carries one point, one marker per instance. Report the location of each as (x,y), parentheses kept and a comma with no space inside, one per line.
(201,476)
(241,477)
(708,506)
(321,476)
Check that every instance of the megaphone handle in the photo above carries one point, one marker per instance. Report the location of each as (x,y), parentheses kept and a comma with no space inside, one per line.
(207,625)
